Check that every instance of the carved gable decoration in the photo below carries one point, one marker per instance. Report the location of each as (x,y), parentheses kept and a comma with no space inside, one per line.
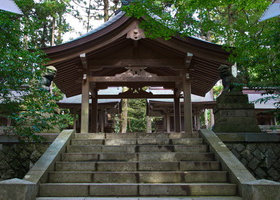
(135,72)
(136,33)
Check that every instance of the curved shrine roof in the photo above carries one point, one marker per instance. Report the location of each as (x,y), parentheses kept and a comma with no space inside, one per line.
(109,52)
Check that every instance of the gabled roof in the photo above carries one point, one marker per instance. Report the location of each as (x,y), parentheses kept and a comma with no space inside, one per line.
(108,46)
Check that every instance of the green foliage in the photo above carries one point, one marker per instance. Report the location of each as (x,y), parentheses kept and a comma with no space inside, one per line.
(31,108)
(254,45)
(137,115)
(217,90)
(232,23)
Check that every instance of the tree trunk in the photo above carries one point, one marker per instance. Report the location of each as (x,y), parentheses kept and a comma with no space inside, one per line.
(53,32)
(88,16)
(106,10)
(124,113)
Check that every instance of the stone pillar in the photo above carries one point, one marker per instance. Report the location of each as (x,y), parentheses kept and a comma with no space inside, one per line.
(168,124)
(85,106)
(198,121)
(187,105)
(206,118)
(177,112)
(149,124)
(212,118)
(94,111)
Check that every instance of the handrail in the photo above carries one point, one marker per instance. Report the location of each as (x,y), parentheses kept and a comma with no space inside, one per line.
(238,173)
(28,187)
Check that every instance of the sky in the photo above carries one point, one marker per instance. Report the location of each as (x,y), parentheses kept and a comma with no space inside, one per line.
(77,26)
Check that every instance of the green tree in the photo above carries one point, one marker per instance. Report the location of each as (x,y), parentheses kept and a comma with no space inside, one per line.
(231,23)
(88,11)
(254,45)
(137,115)
(32,108)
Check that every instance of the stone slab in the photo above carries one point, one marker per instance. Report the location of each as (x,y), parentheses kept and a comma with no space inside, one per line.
(113,190)
(261,189)
(17,189)
(144,198)
(72,166)
(64,190)
(249,137)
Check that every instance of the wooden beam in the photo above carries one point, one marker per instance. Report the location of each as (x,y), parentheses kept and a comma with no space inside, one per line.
(111,79)
(84,61)
(188,59)
(135,96)
(162,62)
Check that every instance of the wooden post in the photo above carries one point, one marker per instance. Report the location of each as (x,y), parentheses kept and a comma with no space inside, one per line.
(168,124)
(75,119)
(187,105)
(94,111)
(177,112)
(195,121)
(198,120)
(101,120)
(85,106)
(165,122)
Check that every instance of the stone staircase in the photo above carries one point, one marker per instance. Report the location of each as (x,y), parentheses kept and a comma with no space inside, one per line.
(138,165)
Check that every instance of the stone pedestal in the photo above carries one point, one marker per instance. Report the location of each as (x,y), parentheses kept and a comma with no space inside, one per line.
(17,189)
(233,113)
(261,190)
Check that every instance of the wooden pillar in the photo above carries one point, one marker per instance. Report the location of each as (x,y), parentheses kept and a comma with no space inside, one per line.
(177,112)
(94,111)
(198,121)
(75,119)
(187,105)
(85,106)
(195,121)
(165,122)
(168,123)
(101,120)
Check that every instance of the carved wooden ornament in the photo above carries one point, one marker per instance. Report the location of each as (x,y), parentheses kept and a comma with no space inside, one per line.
(136,33)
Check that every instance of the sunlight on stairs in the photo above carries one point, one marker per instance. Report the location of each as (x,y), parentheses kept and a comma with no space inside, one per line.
(138,166)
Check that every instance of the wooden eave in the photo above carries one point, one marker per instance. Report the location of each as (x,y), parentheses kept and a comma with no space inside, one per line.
(100,44)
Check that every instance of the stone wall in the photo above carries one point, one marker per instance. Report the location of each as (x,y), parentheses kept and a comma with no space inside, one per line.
(16,159)
(261,159)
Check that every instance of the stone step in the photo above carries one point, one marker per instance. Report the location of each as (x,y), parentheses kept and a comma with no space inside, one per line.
(135,166)
(133,135)
(143,198)
(126,141)
(117,189)
(136,148)
(155,156)
(138,177)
